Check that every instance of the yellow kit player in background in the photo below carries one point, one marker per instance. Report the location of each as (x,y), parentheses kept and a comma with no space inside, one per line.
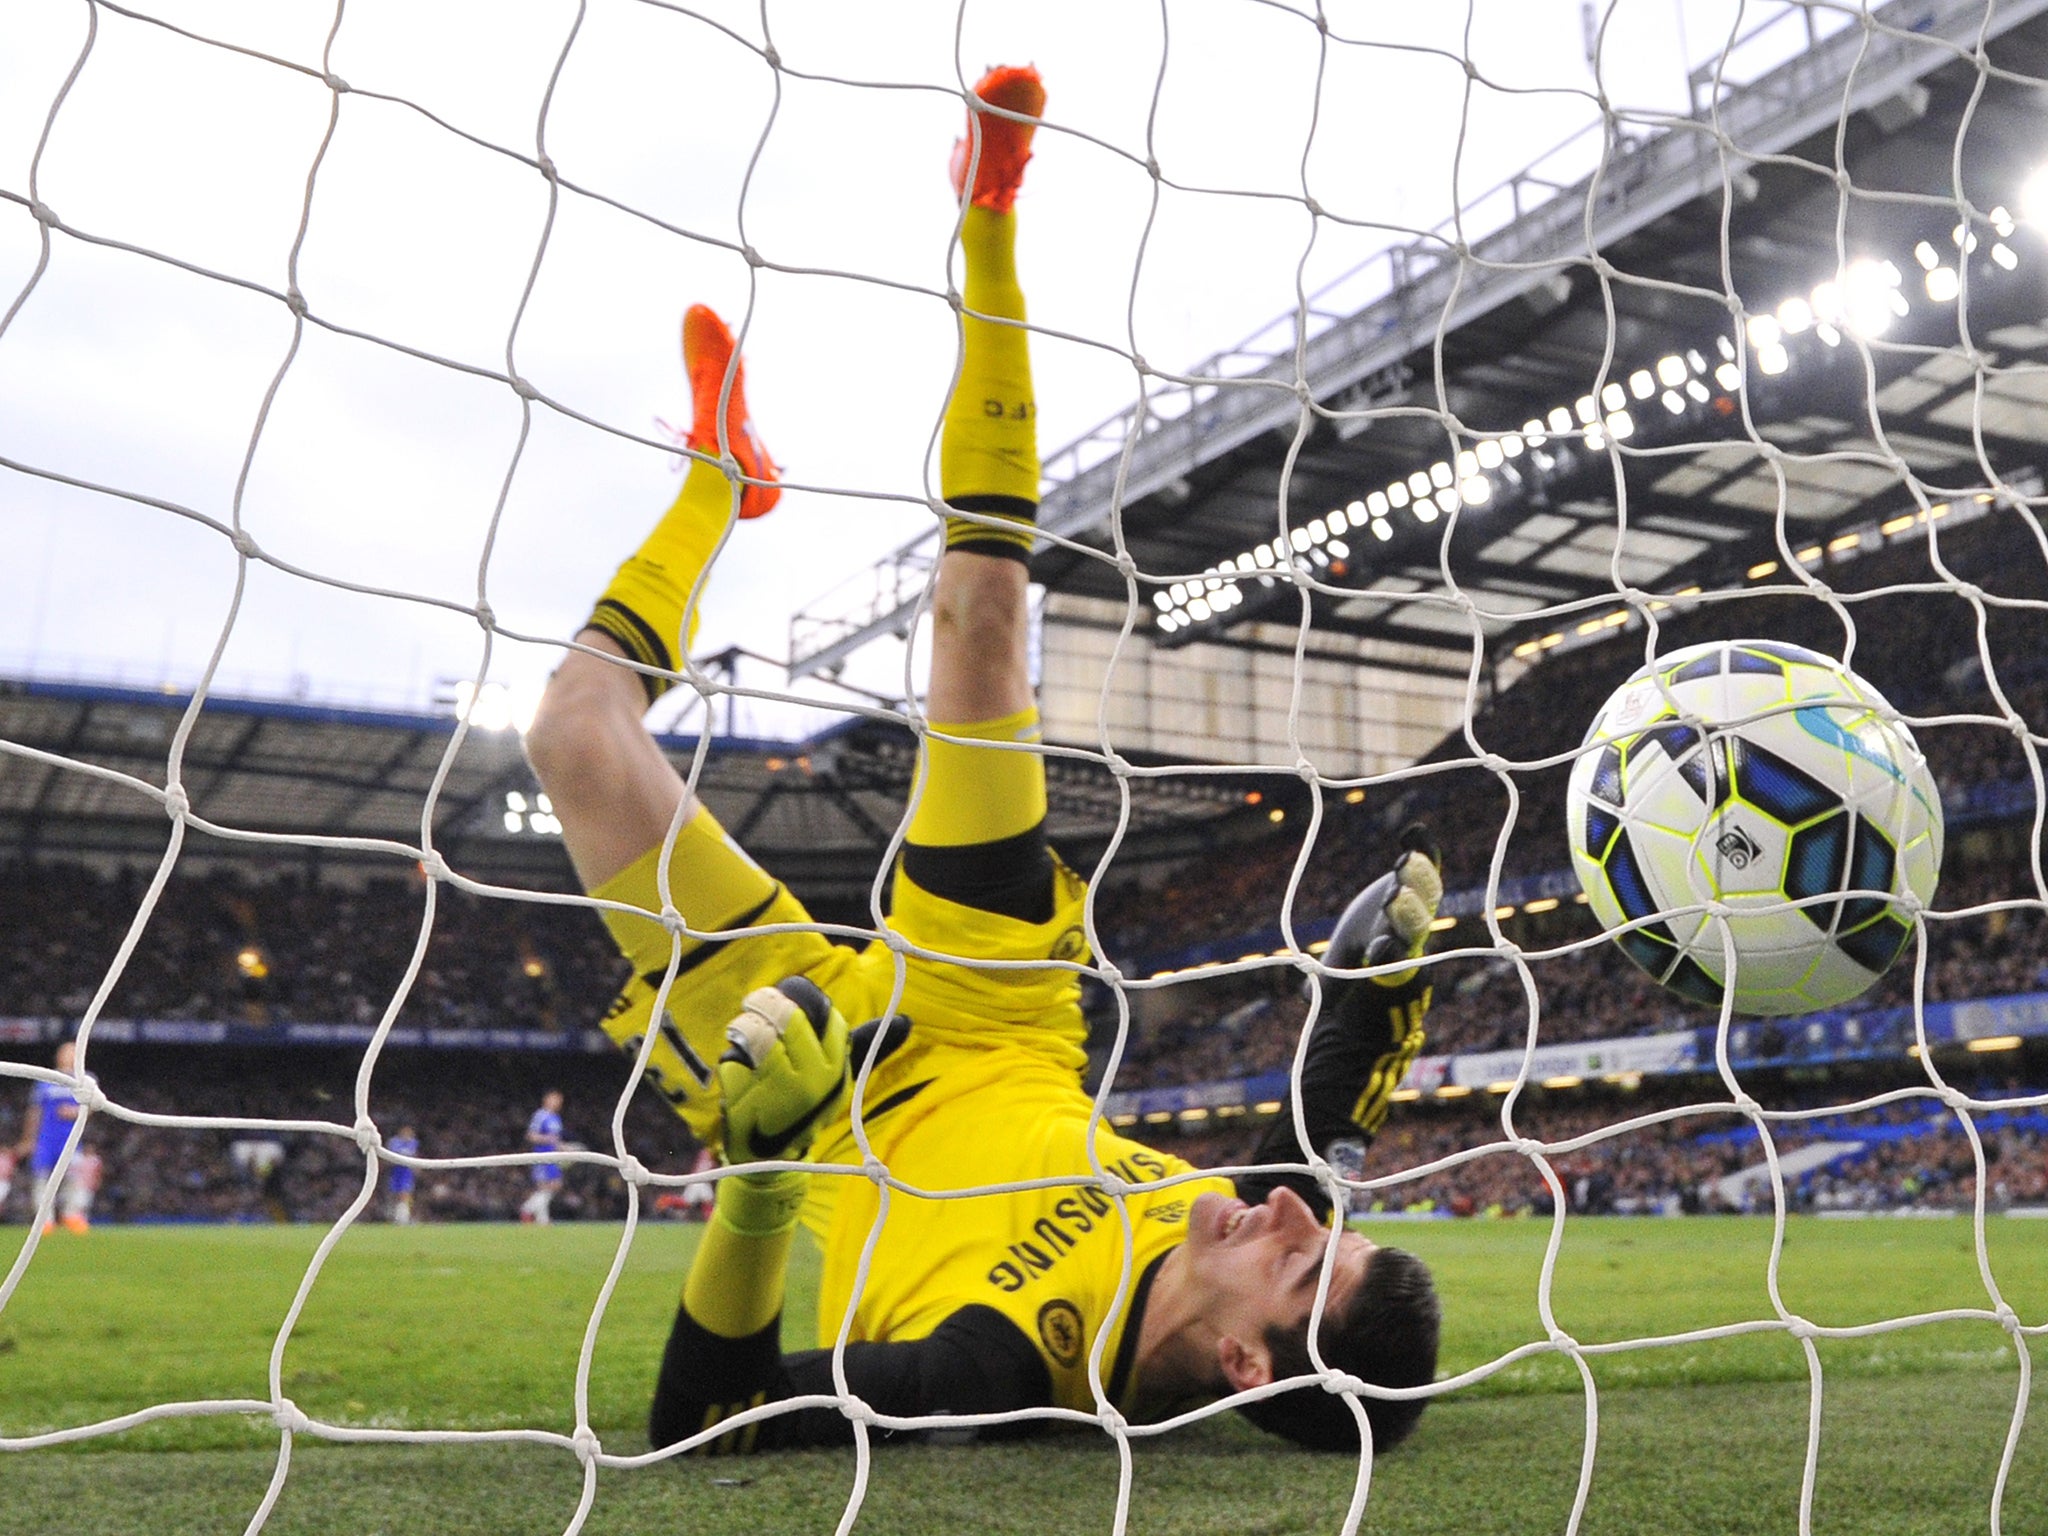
(984,1303)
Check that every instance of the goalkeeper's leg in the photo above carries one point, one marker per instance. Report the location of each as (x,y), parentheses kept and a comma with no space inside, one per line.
(617,794)
(977,835)
(612,788)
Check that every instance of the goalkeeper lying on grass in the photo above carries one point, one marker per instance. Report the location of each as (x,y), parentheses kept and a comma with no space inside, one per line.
(980,1303)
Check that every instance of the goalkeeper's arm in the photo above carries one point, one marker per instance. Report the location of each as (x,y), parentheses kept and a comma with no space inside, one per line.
(783,1077)
(1369,1030)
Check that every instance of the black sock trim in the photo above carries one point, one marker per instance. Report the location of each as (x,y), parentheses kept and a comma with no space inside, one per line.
(1018,508)
(638,638)
(1002,549)
(1011,876)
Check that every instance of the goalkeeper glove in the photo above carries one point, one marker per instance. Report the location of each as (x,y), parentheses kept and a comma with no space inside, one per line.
(783,1073)
(1390,918)
(1371,1029)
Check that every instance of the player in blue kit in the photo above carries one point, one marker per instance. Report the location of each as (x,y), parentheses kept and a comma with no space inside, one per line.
(400,1179)
(544,1134)
(52,1111)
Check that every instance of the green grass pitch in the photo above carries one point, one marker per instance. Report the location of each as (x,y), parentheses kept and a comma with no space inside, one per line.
(478,1328)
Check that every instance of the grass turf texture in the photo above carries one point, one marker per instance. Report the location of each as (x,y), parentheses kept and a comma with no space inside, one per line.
(478,1328)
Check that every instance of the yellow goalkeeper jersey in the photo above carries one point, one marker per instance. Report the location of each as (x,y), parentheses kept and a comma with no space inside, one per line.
(945,1119)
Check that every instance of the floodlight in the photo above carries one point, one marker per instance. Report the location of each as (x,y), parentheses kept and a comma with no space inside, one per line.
(2034,198)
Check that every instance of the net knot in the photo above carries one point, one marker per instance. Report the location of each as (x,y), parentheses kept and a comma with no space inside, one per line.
(368,1137)
(587,1444)
(857,1410)
(632,1170)
(295,301)
(87,1091)
(545,165)
(433,866)
(285,1414)
(334,83)
(523,388)
(1111,1185)
(44,214)
(246,545)
(1802,1328)
(671,919)
(486,615)
(2008,1319)
(1138,362)
(754,257)
(177,804)
(1337,1382)
(1314,208)
(876,1170)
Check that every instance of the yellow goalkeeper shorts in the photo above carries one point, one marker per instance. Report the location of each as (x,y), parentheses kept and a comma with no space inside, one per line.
(929,976)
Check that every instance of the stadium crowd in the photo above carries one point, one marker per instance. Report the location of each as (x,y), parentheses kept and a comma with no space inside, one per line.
(469,1104)
(1921,649)
(228,945)
(1908,1154)
(460,1104)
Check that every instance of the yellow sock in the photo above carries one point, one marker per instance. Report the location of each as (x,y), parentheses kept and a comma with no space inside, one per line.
(643,608)
(988,448)
(968,794)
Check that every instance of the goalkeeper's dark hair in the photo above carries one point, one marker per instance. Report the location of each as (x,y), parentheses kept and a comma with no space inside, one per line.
(1387,1336)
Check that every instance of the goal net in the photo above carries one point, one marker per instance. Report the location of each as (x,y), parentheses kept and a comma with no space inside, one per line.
(332,342)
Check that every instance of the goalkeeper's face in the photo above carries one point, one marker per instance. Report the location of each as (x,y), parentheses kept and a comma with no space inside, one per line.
(1258,1266)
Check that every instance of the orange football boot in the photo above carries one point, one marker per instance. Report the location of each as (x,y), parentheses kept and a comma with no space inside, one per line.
(707,350)
(1005,143)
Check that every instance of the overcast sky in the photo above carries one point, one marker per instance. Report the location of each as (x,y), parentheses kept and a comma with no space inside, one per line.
(382,469)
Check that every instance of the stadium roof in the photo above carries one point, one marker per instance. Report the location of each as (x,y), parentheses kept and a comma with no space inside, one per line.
(820,813)
(1530,330)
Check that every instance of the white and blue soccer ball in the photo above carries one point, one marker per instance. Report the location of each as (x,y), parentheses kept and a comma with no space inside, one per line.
(1774,780)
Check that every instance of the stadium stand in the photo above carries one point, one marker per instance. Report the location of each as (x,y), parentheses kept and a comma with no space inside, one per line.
(246,944)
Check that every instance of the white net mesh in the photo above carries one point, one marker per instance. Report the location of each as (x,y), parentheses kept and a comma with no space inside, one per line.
(1647,414)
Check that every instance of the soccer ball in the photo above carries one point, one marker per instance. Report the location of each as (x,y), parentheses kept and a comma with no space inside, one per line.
(1755,774)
